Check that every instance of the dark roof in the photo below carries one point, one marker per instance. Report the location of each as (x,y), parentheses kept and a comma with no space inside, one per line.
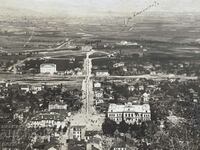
(77,145)
(94,148)
(57,103)
(90,133)
(51,146)
(48,65)
(101,70)
(119,145)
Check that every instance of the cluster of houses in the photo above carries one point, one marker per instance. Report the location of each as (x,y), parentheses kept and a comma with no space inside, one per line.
(48,119)
(51,69)
(10,137)
(4,86)
(101,96)
(31,88)
(56,116)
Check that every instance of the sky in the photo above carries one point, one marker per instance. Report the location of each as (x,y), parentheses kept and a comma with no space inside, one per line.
(81,7)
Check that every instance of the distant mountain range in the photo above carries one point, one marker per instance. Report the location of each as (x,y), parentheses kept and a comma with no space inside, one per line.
(12,12)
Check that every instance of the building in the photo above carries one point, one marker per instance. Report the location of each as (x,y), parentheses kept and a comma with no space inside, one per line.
(10,135)
(86,48)
(48,68)
(146,97)
(119,146)
(4,118)
(25,88)
(121,64)
(99,101)
(51,148)
(129,112)
(36,88)
(141,88)
(97,85)
(48,119)
(102,73)
(98,94)
(131,88)
(57,106)
(90,135)
(77,145)
(77,132)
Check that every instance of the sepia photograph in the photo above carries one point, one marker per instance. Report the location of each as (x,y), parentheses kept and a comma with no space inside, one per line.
(99,75)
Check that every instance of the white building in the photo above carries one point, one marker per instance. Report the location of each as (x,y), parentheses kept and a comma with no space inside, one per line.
(99,101)
(121,64)
(57,106)
(146,97)
(98,94)
(48,68)
(48,119)
(131,88)
(86,48)
(77,132)
(36,89)
(25,88)
(130,113)
(97,85)
(102,73)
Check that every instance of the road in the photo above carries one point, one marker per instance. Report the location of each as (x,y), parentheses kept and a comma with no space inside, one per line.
(88,116)
(153,77)
(88,83)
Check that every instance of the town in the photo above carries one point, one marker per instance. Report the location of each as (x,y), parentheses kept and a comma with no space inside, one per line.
(71,89)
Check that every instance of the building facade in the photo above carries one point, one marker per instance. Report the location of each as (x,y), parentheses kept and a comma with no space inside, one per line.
(48,68)
(77,132)
(102,73)
(129,113)
(48,119)
(57,106)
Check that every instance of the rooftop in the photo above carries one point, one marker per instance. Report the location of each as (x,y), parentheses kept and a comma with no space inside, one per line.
(119,145)
(90,133)
(57,103)
(77,145)
(101,70)
(49,116)
(48,65)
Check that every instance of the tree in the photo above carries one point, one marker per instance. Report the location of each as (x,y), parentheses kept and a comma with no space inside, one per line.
(109,127)
(60,128)
(65,129)
(123,127)
(134,127)
(54,128)
(16,121)
(143,128)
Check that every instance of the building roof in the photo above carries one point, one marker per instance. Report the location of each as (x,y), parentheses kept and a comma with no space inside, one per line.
(49,116)
(25,86)
(145,108)
(77,145)
(57,103)
(119,145)
(47,65)
(90,133)
(102,71)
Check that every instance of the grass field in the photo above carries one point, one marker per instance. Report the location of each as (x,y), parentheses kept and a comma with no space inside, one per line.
(167,34)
